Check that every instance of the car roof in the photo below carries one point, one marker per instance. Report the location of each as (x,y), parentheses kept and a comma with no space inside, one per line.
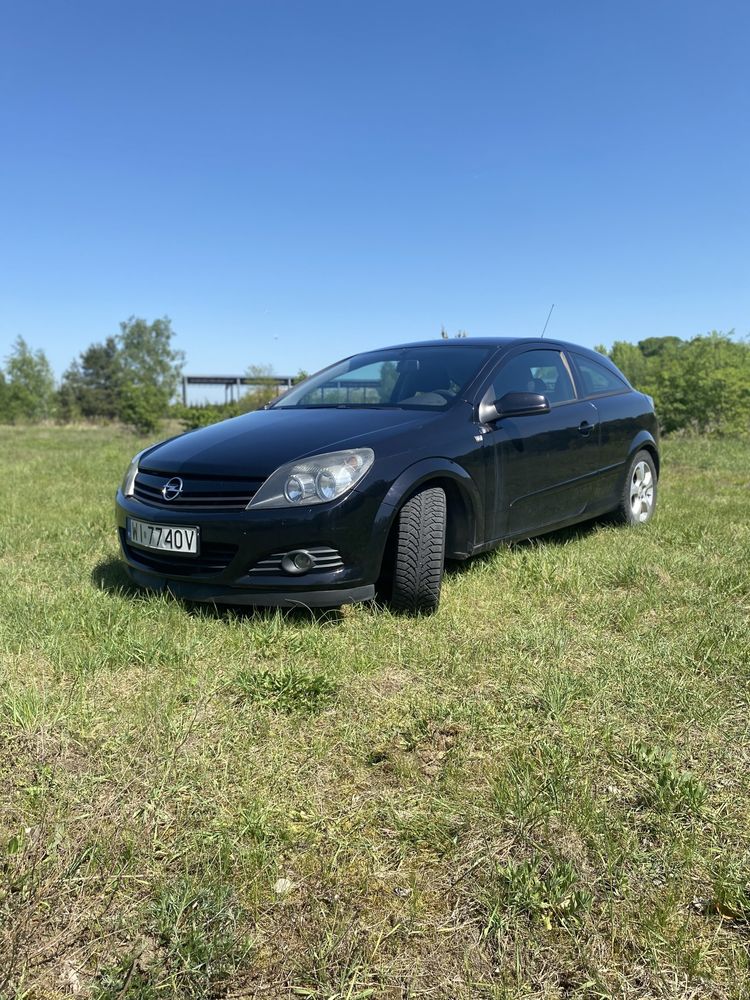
(495,342)
(462,341)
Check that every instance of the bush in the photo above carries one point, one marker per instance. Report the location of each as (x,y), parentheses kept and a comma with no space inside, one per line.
(193,417)
(698,385)
(262,390)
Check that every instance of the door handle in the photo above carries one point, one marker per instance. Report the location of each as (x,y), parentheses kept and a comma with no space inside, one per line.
(585,428)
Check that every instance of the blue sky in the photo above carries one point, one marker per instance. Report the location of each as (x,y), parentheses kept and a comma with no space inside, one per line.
(291,181)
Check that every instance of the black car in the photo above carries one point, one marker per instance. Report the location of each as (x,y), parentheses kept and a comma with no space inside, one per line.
(374,471)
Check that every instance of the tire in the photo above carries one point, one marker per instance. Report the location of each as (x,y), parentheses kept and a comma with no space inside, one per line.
(638,499)
(419,553)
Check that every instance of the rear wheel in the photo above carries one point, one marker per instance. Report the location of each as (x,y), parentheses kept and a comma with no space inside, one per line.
(419,552)
(638,499)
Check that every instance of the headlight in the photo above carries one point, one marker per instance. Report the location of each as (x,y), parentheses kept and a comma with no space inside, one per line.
(314,480)
(128,483)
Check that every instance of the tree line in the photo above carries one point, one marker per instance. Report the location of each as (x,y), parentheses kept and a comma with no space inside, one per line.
(131,377)
(699,385)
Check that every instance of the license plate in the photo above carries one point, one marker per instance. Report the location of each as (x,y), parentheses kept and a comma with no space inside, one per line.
(164,537)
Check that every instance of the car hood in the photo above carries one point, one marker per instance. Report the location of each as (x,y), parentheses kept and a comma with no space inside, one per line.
(257,443)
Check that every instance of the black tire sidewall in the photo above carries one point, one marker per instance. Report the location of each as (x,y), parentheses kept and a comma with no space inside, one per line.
(419,552)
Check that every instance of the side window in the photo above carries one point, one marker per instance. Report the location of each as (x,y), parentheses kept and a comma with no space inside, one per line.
(596,378)
(535,371)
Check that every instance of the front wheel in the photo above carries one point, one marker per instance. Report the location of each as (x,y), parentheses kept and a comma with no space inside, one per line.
(419,552)
(638,499)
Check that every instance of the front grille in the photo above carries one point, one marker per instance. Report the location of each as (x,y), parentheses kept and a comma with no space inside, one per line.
(214,558)
(323,559)
(198,492)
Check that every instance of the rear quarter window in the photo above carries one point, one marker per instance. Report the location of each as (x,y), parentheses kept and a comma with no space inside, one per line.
(596,379)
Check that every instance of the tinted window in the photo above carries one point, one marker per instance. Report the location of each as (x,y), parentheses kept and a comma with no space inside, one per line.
(422,377)
(596,378)
(535,371)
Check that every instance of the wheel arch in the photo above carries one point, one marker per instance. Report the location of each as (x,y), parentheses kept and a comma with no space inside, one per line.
(464,504)
(644,441)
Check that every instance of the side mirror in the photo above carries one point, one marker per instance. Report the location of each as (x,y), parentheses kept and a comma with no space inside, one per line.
(513,404)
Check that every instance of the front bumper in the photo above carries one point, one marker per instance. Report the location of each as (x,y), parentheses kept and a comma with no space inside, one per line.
(234,543)
(216,594)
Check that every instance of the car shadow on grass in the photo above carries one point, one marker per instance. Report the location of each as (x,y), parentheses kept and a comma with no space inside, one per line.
(563,536)
(573,533)
(111,575)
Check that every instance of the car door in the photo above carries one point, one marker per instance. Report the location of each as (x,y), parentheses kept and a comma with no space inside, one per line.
(619,421)
(544,462)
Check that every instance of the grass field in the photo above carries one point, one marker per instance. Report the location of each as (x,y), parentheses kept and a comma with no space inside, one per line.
(540,792)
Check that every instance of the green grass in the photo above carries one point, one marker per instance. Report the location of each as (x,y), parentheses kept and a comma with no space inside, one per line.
(540,792)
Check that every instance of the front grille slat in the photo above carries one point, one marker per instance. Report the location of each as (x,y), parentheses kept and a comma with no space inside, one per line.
(198,492)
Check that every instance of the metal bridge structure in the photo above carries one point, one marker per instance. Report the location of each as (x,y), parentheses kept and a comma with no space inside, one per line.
(233,384)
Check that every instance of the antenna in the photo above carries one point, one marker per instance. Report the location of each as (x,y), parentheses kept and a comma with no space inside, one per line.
(547,321)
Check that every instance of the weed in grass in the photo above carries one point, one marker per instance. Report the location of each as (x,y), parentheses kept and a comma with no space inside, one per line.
(432,722)
(197,927)
(254,822)
(37,789)
(195,947)
(676,791)
(539,889)
(22,708)
(559,691)
(290,689)
(668,789)
(627,575)
(274,632)
(337,960)
(126,980)
(522,796)
(730,898)
(533,784)
(433,826)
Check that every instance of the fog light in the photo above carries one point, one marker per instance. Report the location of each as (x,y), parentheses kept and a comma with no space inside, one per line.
(297,562)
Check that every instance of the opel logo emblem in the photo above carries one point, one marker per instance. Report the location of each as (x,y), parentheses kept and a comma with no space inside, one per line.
(172,489)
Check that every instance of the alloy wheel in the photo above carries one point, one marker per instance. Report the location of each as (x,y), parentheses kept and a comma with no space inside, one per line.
(642,492)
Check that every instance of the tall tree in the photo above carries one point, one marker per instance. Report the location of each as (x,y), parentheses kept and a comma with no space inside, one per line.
(151,370)
(656,347)
(92,384)
(29,390)
(632,362)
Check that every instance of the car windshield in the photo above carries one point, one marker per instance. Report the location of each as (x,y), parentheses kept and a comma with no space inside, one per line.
(428,378)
